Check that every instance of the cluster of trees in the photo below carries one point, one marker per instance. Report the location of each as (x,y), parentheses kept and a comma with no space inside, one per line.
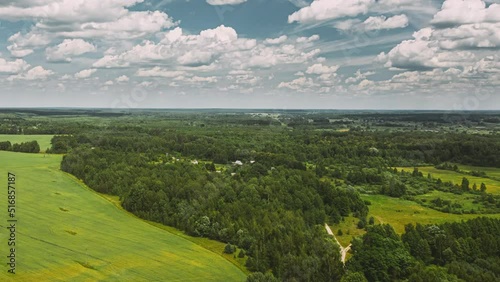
(394,188)
(380,255)
(5,146)
(465,251)
(448,166)
(61,144)
(24,147)
(469,250)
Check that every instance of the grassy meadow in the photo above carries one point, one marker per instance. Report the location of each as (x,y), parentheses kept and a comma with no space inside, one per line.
(398,212)
(492,186)
(465,200)
(490,171)
(67,232)
(349,230)
(43,140)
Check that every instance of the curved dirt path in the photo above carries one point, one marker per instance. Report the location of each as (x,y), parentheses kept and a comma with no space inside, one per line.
(343,251)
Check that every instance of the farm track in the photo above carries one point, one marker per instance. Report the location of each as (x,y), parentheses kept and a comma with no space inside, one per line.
(343,251)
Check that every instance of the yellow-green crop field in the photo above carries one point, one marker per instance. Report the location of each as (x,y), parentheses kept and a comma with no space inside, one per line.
(492,186)
(67,232)
(43,140)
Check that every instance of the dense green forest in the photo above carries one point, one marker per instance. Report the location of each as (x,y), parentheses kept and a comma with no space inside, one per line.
(267,183)
(466,251)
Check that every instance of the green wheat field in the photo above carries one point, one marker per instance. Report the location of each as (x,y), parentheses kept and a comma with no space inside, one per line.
(66,232)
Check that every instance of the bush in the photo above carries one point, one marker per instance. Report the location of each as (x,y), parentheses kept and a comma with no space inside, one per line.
(371,221)
(361,224)
(229,249)
(5,146)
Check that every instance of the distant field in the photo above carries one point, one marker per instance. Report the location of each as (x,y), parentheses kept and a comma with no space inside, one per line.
(492,186)
(490,171)
(66,232)
(43,140)
(399,212)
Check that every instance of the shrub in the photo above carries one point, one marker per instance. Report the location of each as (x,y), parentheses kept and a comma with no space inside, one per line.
(229,249)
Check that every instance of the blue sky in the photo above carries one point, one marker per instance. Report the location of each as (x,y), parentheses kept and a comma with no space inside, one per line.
(280,54)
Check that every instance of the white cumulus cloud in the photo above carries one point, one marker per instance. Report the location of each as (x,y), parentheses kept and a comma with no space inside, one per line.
(320,10)
(13,67)
(382,22)
(311,38)
(72,19)
(458,12)
(321,69)
(299,84)
(459,38)
(36,73)
(85,73)
(122,79)
(275,41)
(68,48)
(24,44)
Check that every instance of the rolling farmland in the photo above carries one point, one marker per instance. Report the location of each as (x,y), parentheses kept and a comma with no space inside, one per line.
(65,231)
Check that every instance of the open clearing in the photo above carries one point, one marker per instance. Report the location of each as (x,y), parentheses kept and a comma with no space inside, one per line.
(490,171)
(492,186)
(349,230)
(465,200)
(399,212)
(43,140)
(67,232)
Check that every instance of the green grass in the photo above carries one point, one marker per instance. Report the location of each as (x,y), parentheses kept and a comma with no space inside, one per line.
(43,140)
(67,232)
(490,171)
(492,186)
(465,200)
(399,212)
(212,245)
(349,230)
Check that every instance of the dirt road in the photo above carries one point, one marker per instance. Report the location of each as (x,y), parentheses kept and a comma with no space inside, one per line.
(343,251)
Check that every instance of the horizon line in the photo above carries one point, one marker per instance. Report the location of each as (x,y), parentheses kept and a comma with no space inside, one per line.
(232,108)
